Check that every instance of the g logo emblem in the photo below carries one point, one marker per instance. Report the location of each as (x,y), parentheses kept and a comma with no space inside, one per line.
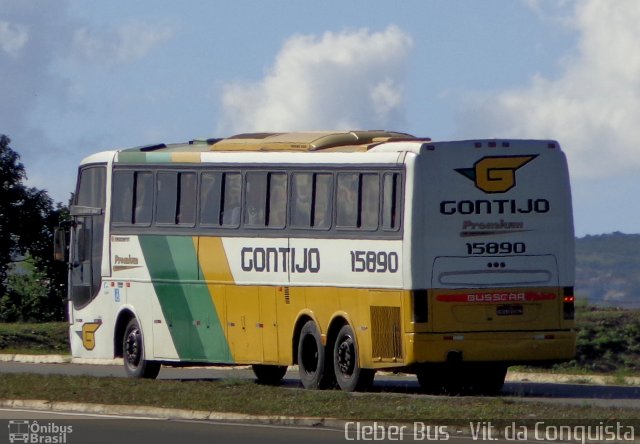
(495,174)
(89,334)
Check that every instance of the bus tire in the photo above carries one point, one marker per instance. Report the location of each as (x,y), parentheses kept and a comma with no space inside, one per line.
(133,354)
(346,365)
(269,374)
(489,379)
(312,361)
(433,379)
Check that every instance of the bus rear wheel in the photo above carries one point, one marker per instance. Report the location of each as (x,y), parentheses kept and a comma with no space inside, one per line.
(133,354)
(488,379)
(269,374)
(312,362)
(437,379)
(349,375)
(462,378)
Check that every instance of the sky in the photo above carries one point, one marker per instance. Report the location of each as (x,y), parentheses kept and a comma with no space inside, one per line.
(78,77)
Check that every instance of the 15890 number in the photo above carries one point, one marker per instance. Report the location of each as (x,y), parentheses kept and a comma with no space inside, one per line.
(374,261)
(477,248)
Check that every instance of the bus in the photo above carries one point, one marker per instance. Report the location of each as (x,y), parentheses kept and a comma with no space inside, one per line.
(341,253)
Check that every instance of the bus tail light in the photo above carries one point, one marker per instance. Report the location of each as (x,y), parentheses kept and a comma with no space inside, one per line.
(568,304)
(544,337)
(420,306)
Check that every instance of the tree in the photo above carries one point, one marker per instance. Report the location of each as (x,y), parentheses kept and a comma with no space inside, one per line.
(28,218)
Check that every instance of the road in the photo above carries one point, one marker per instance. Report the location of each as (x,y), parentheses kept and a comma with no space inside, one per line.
(577,394)
(109,429)
(88,428)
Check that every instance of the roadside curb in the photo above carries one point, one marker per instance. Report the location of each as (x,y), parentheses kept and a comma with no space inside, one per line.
(167,413)
(159,413)
(36,359)
(572,379)
(55,359)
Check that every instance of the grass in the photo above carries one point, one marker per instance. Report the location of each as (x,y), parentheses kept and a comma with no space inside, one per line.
(620,378)
(247,397)
(43,338)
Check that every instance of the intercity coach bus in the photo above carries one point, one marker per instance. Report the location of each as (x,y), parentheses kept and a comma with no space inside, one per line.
(342,253)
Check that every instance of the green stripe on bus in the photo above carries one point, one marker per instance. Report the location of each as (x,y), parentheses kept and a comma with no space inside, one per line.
(187,307)
(203,312)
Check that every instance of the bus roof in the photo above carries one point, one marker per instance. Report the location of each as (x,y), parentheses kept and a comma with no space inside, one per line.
(349,141)
(299,147)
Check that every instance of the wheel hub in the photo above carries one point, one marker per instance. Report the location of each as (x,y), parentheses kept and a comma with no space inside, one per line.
(133,347)
(345,356)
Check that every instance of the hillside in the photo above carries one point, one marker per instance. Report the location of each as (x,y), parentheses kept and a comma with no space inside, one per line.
(608,270)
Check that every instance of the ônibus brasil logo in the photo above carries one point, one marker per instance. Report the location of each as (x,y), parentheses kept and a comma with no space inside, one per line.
(495,174)
(21,430)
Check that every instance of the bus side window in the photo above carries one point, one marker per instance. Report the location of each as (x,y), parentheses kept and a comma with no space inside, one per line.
(186,205)
(210,198)
(301,188)
(368,201)
(277,200)
(347,200)
(122,201)
(143,198)
(358,201)
(231,200)
(167,189)
(322,191)
(176,203)
(391,204)
(255,199)
(311,200)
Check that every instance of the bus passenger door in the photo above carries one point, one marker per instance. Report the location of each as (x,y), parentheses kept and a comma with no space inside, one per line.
(81,267)
(86,239)
(85,258)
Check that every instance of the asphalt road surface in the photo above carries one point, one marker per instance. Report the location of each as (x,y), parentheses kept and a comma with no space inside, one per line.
(87,428)
(577,394)
(37,426)
(109,429)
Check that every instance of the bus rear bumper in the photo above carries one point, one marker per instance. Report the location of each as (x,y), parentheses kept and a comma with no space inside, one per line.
(510,347)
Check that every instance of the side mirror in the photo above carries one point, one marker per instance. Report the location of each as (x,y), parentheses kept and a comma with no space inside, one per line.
(60,252)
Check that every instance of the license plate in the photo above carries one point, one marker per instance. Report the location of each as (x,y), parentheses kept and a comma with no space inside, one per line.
(510,310)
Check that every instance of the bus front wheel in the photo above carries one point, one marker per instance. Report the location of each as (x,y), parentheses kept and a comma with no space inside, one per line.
(133,354)
(314,371)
